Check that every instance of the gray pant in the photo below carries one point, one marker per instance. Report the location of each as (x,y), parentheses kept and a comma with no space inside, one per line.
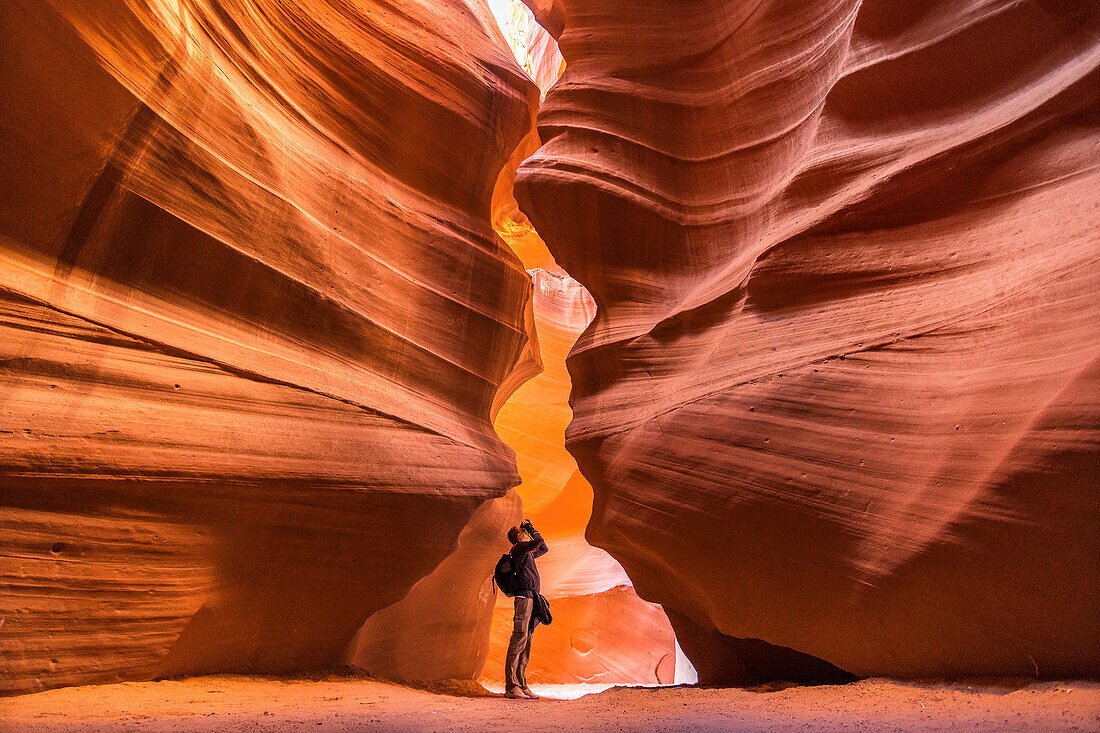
(519,647)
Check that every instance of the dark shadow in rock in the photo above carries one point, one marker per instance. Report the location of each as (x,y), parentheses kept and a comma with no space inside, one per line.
(728,661)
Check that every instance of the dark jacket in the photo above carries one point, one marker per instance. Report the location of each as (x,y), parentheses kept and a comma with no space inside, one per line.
(523,560)
(541,613)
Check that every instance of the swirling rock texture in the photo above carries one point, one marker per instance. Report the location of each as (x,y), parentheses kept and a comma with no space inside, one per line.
(839,402)
(254,321)
(451,625)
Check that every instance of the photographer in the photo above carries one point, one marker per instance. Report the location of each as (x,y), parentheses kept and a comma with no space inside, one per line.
(527,544)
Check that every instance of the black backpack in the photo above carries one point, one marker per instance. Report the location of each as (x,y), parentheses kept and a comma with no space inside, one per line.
(505,576)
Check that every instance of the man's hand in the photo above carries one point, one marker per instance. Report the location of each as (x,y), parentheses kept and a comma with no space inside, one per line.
(541,548)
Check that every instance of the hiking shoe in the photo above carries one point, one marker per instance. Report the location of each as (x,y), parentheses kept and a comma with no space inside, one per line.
(515,694)
(527,691)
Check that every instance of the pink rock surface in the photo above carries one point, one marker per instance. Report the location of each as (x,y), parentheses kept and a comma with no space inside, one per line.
(253,319)
(840,395)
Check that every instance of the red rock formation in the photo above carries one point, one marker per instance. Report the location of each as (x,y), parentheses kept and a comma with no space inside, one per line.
(840,395)
(253,321)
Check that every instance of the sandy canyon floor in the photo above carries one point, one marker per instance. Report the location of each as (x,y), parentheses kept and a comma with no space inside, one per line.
(237,703)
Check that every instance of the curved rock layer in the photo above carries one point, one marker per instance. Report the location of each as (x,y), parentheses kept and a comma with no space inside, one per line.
(840,395)
(254,318)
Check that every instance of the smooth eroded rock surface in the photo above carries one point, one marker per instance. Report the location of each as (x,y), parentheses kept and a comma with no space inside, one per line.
(610,636)
(441,629)
(841,392)
(253,319)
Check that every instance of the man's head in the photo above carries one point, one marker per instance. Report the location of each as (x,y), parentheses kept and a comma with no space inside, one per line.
(518,534)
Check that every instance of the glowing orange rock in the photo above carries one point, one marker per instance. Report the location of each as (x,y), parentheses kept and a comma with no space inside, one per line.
(593,604)
(606,637)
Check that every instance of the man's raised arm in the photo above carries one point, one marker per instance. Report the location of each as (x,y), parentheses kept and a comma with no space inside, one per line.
(536,545)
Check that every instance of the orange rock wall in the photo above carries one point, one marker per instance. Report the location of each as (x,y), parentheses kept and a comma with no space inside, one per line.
(840,396)
(254,317)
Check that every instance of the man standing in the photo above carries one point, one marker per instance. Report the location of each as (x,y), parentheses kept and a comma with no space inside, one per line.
(527,544)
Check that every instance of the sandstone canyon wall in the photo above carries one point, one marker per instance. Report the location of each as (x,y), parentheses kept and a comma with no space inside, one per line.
(839,403)
(254,319)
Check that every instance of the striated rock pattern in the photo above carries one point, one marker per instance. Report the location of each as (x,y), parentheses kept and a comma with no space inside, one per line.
(253,319)
(839,403)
